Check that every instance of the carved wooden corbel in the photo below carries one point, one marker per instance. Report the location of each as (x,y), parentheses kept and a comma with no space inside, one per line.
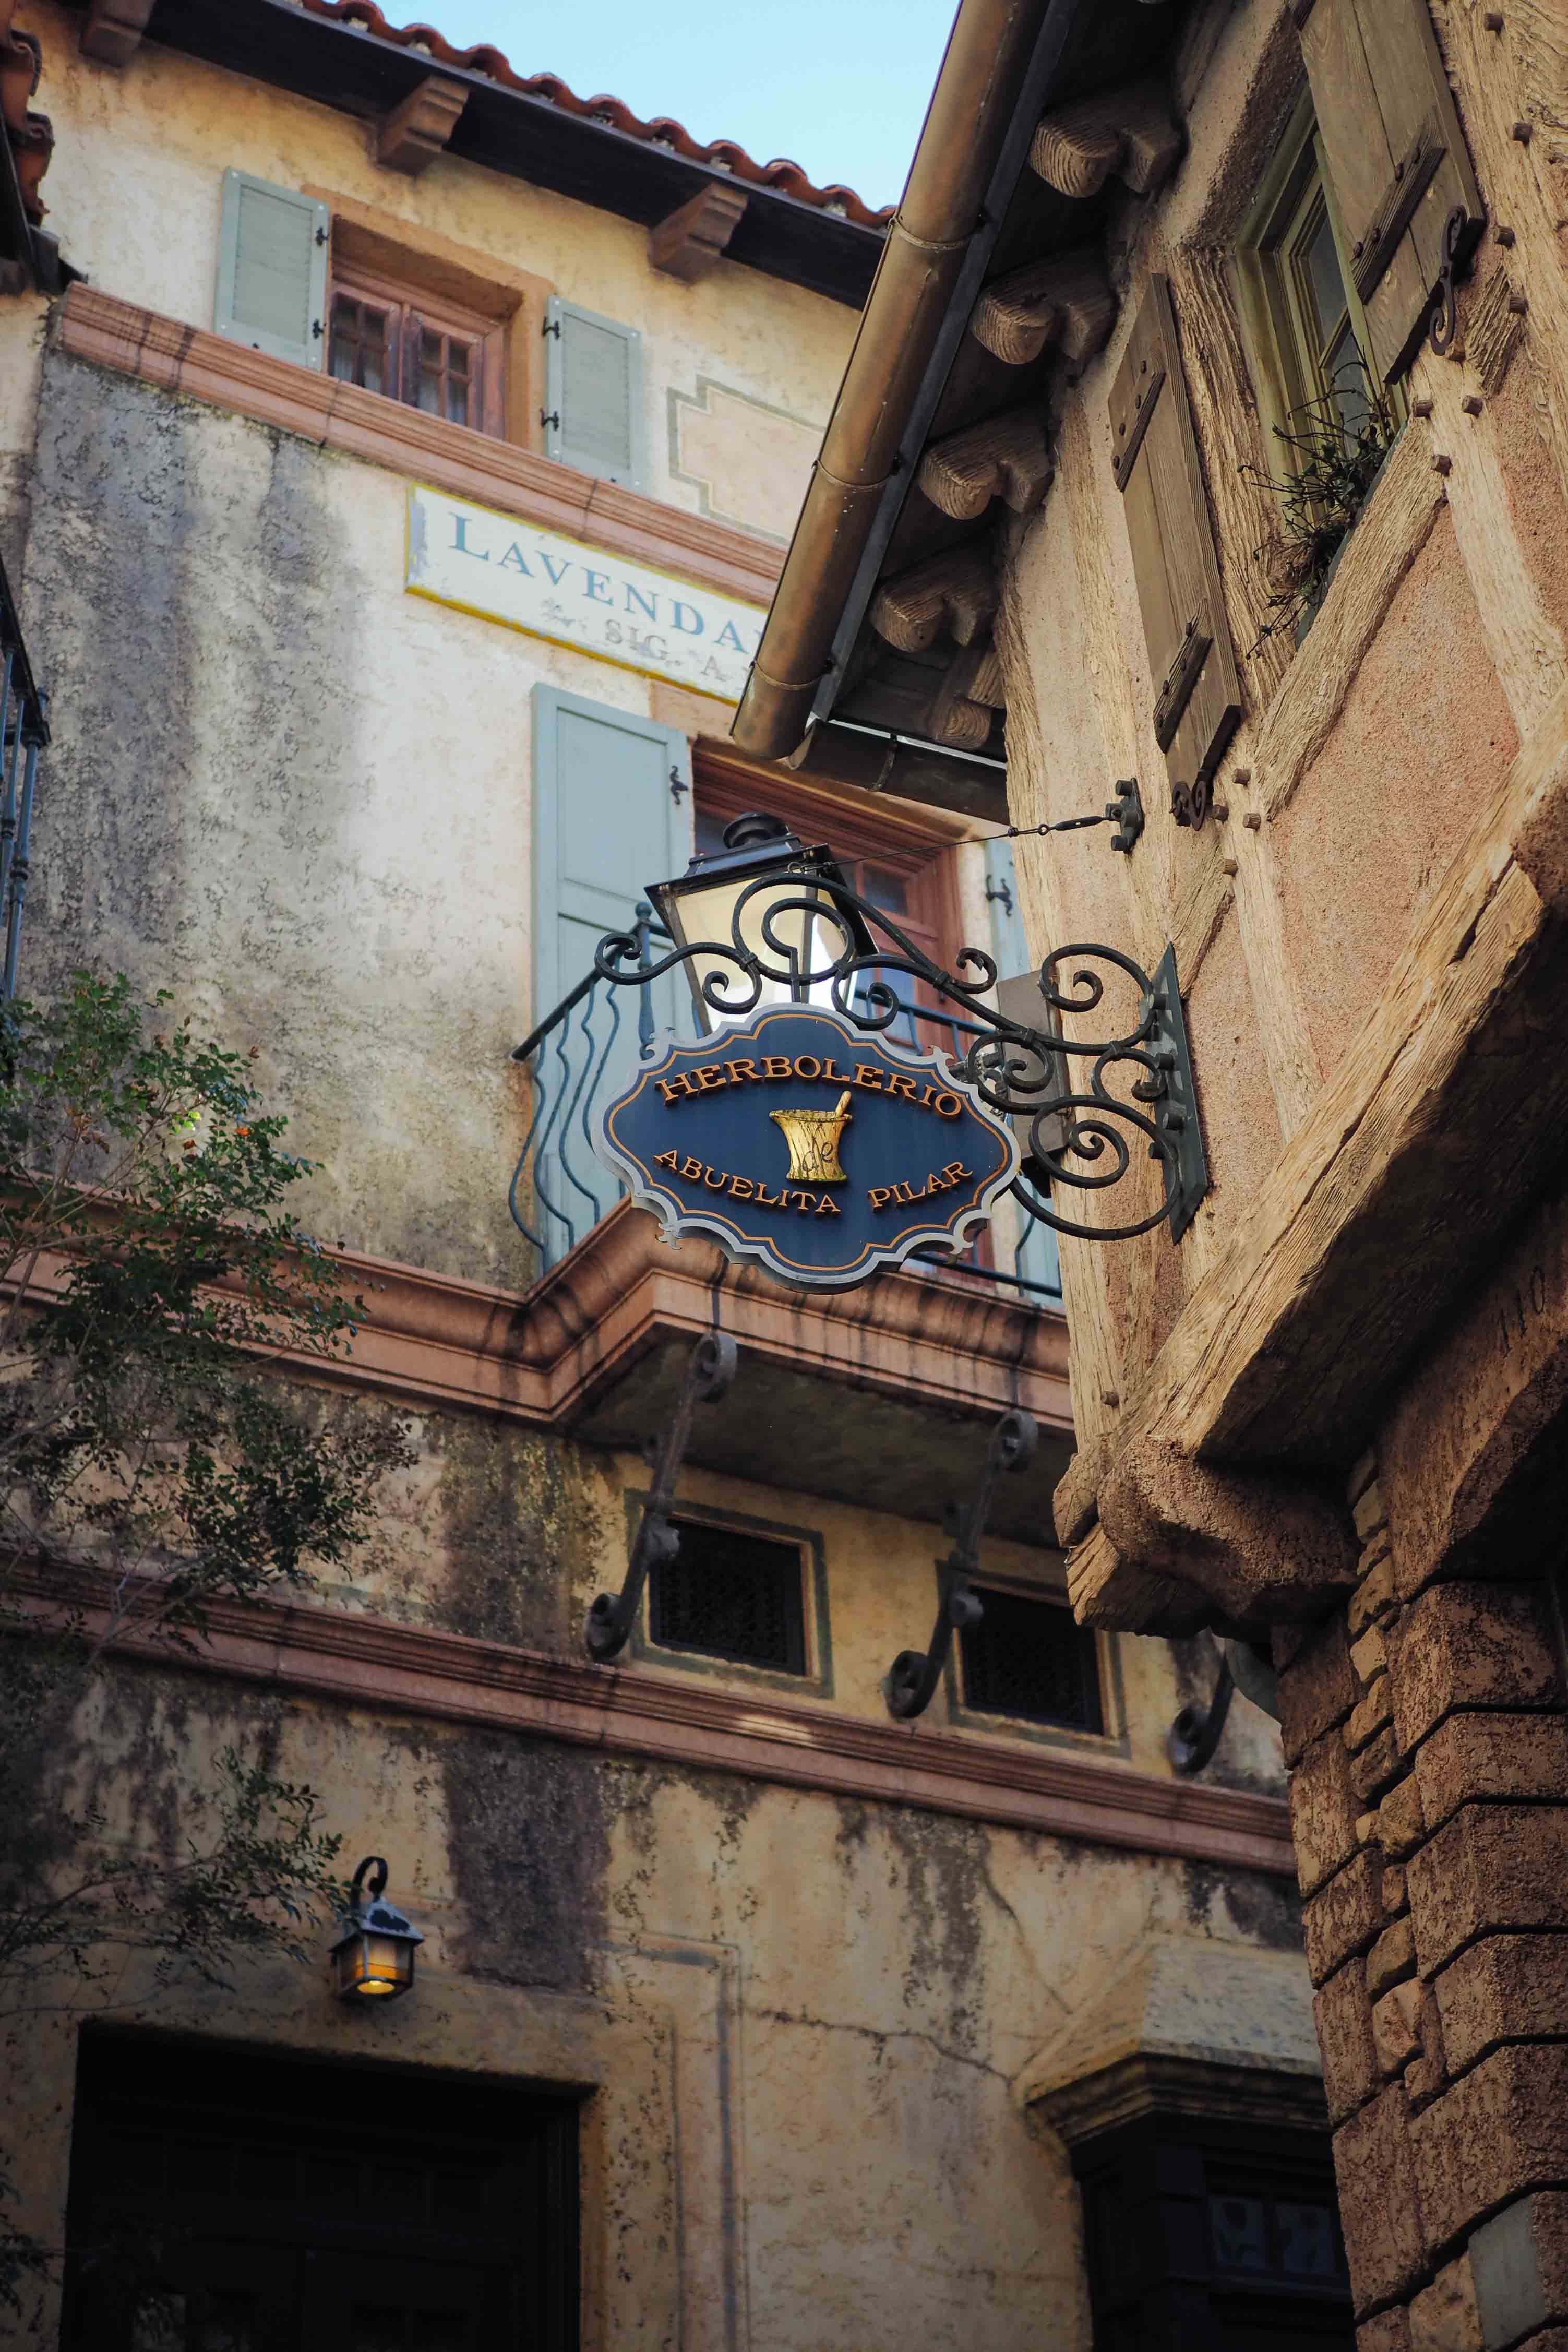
(691,242)
(971,691)
(417,130)
(112,29)
(1129,132)
(954,592)
(1007,457)
(1066,300)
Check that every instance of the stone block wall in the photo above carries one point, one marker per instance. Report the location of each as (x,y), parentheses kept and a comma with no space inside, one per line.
(1427,1740)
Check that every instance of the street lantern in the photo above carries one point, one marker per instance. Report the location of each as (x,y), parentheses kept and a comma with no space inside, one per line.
(763,895)
(373,1957)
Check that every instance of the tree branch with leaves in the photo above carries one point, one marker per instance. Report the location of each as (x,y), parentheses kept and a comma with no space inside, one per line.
(160,1453)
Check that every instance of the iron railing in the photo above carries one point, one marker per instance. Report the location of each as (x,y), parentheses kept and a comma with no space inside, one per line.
(24,732)
(586,1049)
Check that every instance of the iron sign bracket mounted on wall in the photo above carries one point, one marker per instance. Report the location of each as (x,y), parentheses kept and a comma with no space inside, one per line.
(913,1678)
(1081,1132)
(710,1368)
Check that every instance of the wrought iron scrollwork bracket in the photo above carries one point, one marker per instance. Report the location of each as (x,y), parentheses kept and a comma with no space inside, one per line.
(709,1372)
(1198,1730)
(916,1673)
(1459,235)
(1080,1133)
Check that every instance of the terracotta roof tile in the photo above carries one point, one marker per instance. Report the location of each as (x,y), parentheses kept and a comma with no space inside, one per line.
(786,178)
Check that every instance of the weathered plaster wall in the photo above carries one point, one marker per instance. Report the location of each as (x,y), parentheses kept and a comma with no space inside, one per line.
(801,2019)
(141,149)
(1424,741)
(507,1534)
(1348,796)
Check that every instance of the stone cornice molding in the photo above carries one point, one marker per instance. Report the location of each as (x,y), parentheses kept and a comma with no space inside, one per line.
(548,1355)
(413,1670)
(198,366)
(1152,2082)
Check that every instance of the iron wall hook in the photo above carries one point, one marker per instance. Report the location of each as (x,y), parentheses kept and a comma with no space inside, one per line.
(915,1673)
(709,1372)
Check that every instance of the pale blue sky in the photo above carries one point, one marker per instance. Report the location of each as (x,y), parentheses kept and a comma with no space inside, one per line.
(838,86)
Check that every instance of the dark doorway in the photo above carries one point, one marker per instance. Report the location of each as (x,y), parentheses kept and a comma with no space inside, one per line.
(222,2201)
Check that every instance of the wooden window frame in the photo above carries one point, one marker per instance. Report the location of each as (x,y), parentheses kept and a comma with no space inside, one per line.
(438,276)
(1273,299)
(412,314)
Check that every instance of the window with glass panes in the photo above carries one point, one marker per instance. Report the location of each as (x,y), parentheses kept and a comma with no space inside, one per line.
(1301,264)
(898,863)
(442,360)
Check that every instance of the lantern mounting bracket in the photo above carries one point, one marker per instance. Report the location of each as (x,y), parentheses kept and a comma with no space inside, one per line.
(710,1368)
(915,1673)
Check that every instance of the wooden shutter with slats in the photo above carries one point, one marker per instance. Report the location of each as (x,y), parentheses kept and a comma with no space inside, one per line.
(612,812)
(1198,696)
(272,270)
(1396,156)
(593,393)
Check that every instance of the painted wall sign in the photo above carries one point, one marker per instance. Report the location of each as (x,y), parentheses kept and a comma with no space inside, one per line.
(604,605)
(797,1139)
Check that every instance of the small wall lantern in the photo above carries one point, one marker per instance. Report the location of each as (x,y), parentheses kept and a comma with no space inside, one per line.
(373,1957)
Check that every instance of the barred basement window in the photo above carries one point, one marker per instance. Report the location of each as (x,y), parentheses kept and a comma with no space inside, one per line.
(733,1596)
(1028,1658)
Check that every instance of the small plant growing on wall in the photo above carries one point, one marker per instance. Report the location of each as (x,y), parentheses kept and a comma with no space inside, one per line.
(153,1468)
(1332,451)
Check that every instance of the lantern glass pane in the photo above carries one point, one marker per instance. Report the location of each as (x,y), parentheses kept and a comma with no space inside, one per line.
(372,1968)
(709,913)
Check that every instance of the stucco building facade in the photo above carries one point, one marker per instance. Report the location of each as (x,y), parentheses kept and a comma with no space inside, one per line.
(827,2026)
(1227,451)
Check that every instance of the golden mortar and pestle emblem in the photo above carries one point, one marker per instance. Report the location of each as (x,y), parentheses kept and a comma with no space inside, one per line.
(813,1139)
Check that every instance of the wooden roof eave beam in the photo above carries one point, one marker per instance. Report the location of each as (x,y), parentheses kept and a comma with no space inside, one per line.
(411,134)
(112,29)
(1006,456)
(1131,133)
(997,75)
(1066,302)
(690,242)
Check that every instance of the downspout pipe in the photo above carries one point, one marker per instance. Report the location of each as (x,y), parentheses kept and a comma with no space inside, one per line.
(1001,60)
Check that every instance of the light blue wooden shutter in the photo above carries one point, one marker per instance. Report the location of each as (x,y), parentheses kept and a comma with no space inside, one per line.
(1036,1258)
(607,821)
(272,270)
(593,393)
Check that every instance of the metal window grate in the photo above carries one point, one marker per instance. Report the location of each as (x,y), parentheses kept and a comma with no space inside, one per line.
(730,1595)
(1028,1658)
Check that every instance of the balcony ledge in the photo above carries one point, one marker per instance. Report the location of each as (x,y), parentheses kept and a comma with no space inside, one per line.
(878,1396)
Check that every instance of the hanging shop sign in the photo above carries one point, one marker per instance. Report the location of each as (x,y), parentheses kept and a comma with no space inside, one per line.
(799,1139)
(604,605)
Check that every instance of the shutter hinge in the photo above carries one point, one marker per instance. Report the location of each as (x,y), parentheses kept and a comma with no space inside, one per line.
(1182,676)
(550,416)
(1397,205)
(321,236)
(677,786)
(551,327)
(317,330)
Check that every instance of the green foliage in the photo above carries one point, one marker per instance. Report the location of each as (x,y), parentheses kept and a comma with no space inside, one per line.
(154,1282)
(1334,449)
